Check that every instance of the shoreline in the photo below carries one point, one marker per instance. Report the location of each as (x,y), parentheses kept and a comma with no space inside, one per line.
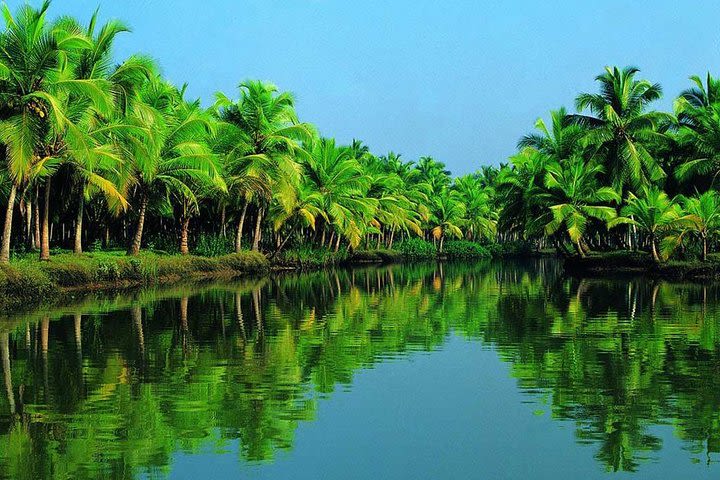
(640,264)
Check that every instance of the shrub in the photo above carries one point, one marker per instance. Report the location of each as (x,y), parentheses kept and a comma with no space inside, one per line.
(417,248)
(465,249)
(211,245)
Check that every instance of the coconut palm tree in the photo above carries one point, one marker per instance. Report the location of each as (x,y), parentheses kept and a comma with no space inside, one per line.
(698,113)
(448,213)
(705,212)
(169,156)
(334,172)
(619,127)
(574,197)
(95,156)
(36,83)
(560,141)
(266,134)
(656,214)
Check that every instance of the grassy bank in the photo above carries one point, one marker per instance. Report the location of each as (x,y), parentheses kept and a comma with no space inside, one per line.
(408,251)
(29,280)
(641,263)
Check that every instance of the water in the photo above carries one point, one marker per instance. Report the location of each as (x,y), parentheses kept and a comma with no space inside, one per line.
(490,370)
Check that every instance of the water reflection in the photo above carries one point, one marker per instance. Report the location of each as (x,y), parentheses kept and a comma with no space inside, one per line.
(115,386)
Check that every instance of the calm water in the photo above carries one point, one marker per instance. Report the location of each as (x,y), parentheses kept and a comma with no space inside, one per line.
(495,370)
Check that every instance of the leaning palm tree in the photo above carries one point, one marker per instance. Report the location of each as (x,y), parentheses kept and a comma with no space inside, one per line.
(266,135)
(574,197)
(619,127)
(168,156)
(659,216)
(95,157)
(705,212)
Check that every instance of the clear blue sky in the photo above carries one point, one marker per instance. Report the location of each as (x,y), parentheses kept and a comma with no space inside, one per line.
(458,80)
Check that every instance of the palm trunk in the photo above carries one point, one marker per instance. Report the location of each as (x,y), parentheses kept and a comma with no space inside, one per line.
(7,228)
(238,234)
(442,242)
(223,231)
(36,220)
(655,255)
(7,374)
(258,231)
(137,239)
(705,248)
(29,223)
(392,236)
(45,230)
(79,224)
(337,243)
(184,227)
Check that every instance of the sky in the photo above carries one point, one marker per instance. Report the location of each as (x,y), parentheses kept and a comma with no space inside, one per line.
(460,80)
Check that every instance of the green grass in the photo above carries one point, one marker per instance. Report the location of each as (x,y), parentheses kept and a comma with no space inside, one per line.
(28,279)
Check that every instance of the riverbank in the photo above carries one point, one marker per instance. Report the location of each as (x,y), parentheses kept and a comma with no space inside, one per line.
(29,280)
(641,263)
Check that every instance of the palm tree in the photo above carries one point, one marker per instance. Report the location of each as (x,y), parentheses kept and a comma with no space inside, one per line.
(620,129)
(448,214)
(560,141)
(94,158)
(657,215)
(574,197)
(334,172)
(698,113)
(265,133)
(705,212)
(35,84)
(482,217)
(169,155)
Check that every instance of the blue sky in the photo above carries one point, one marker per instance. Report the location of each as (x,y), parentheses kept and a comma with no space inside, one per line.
(458,80)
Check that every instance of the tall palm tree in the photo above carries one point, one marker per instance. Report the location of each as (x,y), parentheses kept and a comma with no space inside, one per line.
(266,134)
(169,155)
(698,113)
(335,173)
(620,128)
(95,157)
(35,84)
(448,213)
(574,197)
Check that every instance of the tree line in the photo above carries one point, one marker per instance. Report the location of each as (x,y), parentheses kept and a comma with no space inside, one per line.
(110,154)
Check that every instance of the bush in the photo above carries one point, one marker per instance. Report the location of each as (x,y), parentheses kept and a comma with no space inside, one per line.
(465,249)
(516,248)
(307,256)
(211,245)
(417,248)
(375,256)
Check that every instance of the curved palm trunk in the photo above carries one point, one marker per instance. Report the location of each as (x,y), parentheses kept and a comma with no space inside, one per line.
(184,228)
(79,225)
(258,231)
(7,228)
(238,234)
(653,247)
(137,238)
(442,242)
(45,229)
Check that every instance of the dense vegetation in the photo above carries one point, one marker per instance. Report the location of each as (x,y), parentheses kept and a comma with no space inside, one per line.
(112,155)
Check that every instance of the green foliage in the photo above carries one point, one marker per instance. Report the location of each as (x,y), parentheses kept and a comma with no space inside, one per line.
(213,245)
(465,249)
(417,249)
